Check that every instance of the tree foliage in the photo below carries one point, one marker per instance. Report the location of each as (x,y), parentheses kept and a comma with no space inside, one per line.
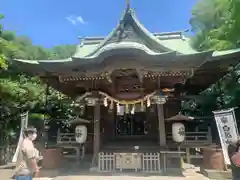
(20,92)
(216,25)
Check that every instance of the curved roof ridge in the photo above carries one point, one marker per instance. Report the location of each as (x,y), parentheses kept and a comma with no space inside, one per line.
(109,35)
(140,26)
(133,45)
(42,60)
(169,33)
(148,33)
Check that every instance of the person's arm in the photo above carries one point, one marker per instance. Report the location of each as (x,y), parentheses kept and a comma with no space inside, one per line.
(33,162)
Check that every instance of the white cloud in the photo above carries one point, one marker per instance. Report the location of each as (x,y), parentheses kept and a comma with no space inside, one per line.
(75,19)
(71,20)
(80,19)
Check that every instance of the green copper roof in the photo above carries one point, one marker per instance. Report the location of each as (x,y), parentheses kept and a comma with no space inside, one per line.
(130,36)
(90,50)
(155,42)
(226,52)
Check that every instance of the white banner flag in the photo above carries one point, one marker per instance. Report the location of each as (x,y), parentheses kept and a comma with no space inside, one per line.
(227,129)
(24,124)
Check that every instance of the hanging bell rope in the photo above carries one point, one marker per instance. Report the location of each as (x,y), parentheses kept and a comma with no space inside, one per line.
(83,96)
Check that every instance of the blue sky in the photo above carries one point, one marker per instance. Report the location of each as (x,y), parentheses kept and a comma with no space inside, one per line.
(55,22)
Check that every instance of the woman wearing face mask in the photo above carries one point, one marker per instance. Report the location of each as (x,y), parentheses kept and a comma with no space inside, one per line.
(27,166)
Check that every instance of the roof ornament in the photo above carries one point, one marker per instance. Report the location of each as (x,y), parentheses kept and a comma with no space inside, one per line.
(128,4)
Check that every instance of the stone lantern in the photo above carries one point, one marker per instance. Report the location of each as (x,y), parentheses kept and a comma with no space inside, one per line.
(178,128)
(80,129)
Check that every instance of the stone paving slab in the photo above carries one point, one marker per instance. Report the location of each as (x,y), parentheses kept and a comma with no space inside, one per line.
(5,174)
(124,177)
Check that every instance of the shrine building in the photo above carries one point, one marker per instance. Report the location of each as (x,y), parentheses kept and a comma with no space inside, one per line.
(129,83)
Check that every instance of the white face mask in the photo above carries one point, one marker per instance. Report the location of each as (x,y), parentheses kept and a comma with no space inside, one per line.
(34,136)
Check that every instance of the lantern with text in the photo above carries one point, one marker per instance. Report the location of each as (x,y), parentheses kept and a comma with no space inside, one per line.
(81,134)
(178,128)
(91,101)
(178,132)
(160,99)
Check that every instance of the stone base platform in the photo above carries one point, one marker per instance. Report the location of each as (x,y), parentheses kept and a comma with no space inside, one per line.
(216,174)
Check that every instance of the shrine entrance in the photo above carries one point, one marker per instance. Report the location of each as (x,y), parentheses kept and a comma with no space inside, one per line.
(131,125)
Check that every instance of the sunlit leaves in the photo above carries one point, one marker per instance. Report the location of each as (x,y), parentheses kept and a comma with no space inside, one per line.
(216,25)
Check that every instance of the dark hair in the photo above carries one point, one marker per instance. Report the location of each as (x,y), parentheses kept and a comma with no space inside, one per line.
(29,130)
(233,148)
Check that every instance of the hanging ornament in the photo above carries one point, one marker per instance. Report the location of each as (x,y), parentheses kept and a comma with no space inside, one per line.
(118,108)
(121,110)
(142,106)
(82,110)
(148,102)
(133,110)
(105,102)
(127,109)
(111,106)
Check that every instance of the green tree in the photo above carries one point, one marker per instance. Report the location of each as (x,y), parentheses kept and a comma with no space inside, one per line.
(20,92)
(61,52)
(216,25)
(3,64)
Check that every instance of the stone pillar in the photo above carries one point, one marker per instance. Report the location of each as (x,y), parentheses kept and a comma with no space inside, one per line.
(97,133)
(161,125)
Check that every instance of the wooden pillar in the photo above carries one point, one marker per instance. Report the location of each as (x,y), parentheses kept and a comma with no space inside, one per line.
(111,124)
(161,125)
(97,134)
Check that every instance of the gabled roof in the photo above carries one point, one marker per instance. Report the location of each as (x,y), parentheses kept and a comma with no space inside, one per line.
(130,37)
(130,33)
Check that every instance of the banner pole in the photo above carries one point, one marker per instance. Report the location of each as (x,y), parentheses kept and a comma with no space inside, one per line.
(24,124)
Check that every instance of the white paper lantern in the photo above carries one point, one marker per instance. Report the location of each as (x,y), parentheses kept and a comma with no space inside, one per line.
(178,132)
(81,134)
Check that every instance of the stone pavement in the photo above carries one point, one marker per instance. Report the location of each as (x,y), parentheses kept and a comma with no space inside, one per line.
(125,177)
(73,172)
(5,174)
